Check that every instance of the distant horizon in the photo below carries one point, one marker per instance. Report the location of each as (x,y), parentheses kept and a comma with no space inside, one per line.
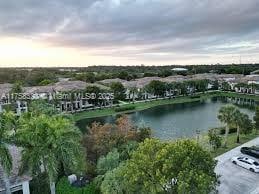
(145,65)
(152,32)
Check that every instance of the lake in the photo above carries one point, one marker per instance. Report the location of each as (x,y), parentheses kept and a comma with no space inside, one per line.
(180,120)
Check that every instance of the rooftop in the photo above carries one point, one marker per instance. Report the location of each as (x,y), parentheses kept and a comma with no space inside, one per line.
(15,178)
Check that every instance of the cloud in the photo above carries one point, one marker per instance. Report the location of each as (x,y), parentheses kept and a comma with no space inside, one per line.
(137,28)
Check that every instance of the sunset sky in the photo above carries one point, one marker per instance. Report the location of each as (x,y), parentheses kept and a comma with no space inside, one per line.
(128,32)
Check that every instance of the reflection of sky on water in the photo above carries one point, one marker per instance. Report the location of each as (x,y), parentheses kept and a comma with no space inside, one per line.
(174,121)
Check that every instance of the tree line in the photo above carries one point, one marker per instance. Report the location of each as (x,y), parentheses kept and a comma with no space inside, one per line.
(91,74)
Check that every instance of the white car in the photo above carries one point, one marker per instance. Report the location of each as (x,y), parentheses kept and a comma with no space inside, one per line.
(247,163)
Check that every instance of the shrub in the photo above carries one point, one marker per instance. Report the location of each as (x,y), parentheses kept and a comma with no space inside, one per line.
(63,187)
(143,133)
(214,139)
(124,108)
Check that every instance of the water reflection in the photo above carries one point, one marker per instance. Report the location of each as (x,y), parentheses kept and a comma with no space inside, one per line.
(180,120)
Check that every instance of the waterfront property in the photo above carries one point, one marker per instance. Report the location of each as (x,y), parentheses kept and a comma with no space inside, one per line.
(56,93)
(135,90)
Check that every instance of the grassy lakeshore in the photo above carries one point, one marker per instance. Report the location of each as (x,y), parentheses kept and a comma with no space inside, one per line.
(140,106)
(231,142)
(237,95)
(149,104)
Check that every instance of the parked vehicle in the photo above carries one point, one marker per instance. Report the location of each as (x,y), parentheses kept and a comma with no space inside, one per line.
(251,151)
(247,163)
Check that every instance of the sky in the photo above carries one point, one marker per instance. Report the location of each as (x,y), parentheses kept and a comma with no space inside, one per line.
(128,32)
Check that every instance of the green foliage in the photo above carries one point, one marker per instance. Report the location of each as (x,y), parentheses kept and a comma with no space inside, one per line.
(201,85)
(155,164)
(7,127)
(149,74)
(45,82)
(215,85)
(225,115)
(143,133)
(63,187)
(108,162)
(38,107)
(124,108)
(93,90)
(17,87)
(231,116)
(214,139)
(165,73)
(222,131)
(119,90)
(87,77)
(225,86)
(156,87)
(49,141)
(124,75)
(114,182)
(39,184)
(37,76)
(126,149)
(256,118)
(244,123)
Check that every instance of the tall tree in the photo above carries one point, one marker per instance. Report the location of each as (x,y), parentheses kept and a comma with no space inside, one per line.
(214,139)
(156,87)
(238,118)
(242,122)
(119,90)
(162,167)
(108,162)
(93,90)
(225,115)
(201,85)
(132,92)
(6,126)
(17,87)
(49,142)
(225,86)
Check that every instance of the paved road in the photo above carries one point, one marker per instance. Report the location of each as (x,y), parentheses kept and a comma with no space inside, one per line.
(235,179)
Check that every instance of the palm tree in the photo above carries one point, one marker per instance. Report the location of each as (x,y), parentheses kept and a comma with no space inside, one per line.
(133,91)
(6,120)
(49,142)
(225,115)
(238,120)
(242,122)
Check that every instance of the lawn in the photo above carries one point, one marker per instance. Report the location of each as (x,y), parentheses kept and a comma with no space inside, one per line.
(231,143)
(238,95)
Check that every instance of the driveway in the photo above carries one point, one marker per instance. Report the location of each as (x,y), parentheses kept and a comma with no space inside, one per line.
(235,179)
